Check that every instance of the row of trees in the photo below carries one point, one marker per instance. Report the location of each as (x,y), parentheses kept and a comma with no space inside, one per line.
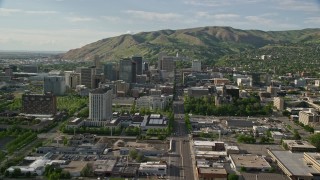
(20,141)
(71,103)
(188,122)
(305,127)
(315,140)
(132,131)
(239,107)
(248,139)
(52,173)
(93,130)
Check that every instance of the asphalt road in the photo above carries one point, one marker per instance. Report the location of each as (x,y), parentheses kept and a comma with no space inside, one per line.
(180,160)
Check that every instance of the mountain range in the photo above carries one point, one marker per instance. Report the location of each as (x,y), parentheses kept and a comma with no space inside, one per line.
(204,43)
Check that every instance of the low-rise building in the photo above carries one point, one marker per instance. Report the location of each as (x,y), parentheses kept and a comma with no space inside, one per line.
(75,168)
(238,123)
(310,117)
(249,162)
(198,91)
(273,90)
(278,102)
(295,165)
(79,139)
(74,123)
(205,173)
(155,121)
(299,146)
(209,145)
(220,81)
(245,81)
(103,167)
(153,168)
(276,135)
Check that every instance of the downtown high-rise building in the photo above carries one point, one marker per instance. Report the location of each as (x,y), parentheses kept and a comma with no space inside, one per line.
(100,105)
(45,104)
(166,63)
(55,85)
(196,66)
(110,72)
(138,61)
(86,75)
(127,70)
(97,62)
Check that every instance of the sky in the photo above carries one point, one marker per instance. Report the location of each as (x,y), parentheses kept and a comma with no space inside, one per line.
(61,25)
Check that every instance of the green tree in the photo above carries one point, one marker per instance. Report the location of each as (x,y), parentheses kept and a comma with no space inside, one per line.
(28,174)
(315,140)
(243,169)
(296,135)
(133,154)
(86,171)
(140,157)
(264,140)
(16,172)
(233,177)
(6,173)
(249,139)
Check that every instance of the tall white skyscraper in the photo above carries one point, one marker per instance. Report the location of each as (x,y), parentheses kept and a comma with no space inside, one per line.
(100,105)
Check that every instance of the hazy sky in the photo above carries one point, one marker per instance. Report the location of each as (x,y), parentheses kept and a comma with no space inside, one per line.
(66,24)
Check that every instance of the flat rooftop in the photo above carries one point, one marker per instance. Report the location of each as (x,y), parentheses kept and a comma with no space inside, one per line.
(314,156)
(263,176)
(206,143)
(249,161)
(104,165)
(211,153)
(212,170)
(294,162)
(298,143)
(75,166)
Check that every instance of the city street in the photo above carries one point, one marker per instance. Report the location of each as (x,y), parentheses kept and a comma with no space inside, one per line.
(180,159)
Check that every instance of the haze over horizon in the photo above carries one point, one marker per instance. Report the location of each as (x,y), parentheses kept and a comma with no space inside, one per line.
(60,25)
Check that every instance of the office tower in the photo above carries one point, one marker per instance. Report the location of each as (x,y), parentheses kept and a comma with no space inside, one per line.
(97,79)
(74,80)
(161,55)
(168,63)
(138,61)
(196,65)
(39,104)
(145,66)
(134,72)
(67,77)
(55,84)
(100,104)
(97,63)
(127,70)
(110,72)
(86,74)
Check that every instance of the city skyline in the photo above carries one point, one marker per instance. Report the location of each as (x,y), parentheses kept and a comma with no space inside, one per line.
(61,25)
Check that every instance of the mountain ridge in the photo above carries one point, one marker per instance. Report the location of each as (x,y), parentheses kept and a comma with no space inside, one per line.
(208,43)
